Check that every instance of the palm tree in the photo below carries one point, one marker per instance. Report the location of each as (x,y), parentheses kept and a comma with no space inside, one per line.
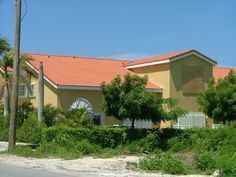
(4,46)
(5,62)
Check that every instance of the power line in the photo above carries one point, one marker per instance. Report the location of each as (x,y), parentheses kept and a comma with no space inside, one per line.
(26,11)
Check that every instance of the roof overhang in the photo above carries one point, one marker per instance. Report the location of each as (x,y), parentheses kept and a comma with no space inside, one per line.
(173,59)
(77,87)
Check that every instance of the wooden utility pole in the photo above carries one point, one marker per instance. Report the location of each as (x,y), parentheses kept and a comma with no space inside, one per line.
(41,95)
(15,83)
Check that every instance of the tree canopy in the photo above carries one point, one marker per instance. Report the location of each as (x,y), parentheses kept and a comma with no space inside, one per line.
(219,100)
(129,99)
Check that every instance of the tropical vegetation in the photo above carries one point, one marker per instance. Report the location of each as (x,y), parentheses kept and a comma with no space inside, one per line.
(128,98)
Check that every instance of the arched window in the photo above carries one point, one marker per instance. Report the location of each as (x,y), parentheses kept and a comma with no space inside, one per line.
(82,103)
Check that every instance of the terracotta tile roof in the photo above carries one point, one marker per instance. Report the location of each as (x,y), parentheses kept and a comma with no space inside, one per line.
(81,71)
(8,69)
(221,72)
(166,57)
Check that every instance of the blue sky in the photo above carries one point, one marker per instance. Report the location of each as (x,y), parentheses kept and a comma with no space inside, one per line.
(125,28)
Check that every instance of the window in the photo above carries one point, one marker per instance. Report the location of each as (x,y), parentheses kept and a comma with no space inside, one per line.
(22,91)
(31,92)
(191,120)
(82,103)
(26,91)
(97,120)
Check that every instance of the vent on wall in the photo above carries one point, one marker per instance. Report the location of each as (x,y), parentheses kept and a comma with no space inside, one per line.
(192,79)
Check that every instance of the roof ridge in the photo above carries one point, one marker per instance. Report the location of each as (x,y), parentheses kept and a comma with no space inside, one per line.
(73,56)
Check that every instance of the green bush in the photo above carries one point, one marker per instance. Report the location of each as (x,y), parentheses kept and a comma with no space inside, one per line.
(104,137)
(4,134)
(227,165)
(78,118)
(165,163)
(149,144)
(50,115)
(205,161)
(29,132)
(23,112)
(176,144)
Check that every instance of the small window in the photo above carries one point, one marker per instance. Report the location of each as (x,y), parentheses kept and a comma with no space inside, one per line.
(97,119)
(22,92)
(32,90)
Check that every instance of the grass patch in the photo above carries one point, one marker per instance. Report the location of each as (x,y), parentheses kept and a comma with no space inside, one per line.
(165,163)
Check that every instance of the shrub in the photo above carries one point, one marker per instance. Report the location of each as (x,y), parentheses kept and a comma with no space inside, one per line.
(104,137)
(149,143)
(4,134)
(85,147)
(165,163)
(30,132)
(50,115)
(175,144)
(77,118)
(205,161)
(23,112)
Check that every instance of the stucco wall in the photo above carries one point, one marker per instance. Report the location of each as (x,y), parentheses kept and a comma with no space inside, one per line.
(187,100)
(159,75)
(50,93)
(67,97)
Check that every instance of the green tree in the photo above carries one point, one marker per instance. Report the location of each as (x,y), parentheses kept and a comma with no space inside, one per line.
(219,100)
(4,46)
(128,99)
(5,62)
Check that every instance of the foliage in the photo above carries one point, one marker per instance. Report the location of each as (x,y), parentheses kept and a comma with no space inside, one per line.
(4,46)
(77,118)
(128,99)
(219,100)
(30,132)
(147,144)
(50,115)
(24,111)
(104,137)
(164,162)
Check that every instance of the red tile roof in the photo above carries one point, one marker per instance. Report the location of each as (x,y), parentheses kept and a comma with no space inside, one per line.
(166,57)
(220,72)
(81,71)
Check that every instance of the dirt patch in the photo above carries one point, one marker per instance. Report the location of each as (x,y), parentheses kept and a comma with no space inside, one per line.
(188,157)
(112,167)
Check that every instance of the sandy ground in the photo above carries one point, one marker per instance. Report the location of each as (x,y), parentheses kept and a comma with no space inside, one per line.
(111,167)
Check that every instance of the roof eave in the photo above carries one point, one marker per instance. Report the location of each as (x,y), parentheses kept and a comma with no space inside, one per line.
(207,59)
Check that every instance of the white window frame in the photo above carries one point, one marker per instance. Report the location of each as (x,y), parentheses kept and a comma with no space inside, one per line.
(32,90)
(182,126)
(25,91)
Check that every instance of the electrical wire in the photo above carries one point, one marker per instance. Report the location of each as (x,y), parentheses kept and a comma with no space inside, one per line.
(26,11)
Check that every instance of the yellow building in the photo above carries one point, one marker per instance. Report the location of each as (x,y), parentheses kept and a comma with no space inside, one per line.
(72,82)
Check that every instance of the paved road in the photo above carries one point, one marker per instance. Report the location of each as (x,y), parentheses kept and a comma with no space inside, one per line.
(15,171)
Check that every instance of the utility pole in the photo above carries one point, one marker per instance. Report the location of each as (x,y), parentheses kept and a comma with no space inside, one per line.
(15,83)
(40,94)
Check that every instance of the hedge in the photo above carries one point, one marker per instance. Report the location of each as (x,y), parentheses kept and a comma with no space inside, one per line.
(105,137)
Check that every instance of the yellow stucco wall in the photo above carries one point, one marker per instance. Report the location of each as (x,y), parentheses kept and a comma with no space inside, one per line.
(159,75)
(187,101)
(67,97)
(50,93)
